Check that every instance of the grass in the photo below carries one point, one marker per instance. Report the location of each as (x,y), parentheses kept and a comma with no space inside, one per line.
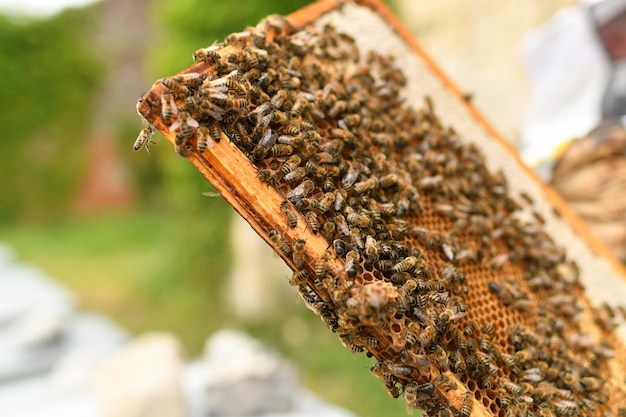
(120,264)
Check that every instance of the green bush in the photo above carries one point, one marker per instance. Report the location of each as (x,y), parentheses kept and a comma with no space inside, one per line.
(47,80)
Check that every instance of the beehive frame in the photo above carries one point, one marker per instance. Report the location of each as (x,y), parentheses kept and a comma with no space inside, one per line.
(235,177)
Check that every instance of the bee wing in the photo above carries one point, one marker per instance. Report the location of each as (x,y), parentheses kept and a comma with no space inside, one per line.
(173,106)
(175,125)
(192,122)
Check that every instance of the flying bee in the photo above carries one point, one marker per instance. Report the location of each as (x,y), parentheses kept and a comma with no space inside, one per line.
(168,107)
(299,278)
(351,265)
(313,221)
(298,253)
(144,138)
(290,214)
(279,243)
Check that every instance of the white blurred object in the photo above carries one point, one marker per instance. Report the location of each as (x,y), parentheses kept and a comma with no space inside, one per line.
(568,72)
(258,278)
(242,377)
(143,379)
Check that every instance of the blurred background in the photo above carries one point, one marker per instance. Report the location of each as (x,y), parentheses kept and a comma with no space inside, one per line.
(131,234)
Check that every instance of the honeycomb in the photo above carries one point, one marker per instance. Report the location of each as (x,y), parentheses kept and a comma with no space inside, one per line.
(401,238)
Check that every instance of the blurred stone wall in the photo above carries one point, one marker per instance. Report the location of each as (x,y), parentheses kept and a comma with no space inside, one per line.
(476,44)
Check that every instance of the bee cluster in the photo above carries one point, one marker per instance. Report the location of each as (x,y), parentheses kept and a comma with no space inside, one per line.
(459,299)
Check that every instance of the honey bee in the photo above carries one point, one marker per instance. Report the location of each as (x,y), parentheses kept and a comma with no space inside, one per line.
(186,124)
(406,264)
(366,185)
(351,176)
(299,278)
(340,247)
(281,150)
(144,138)
(175,86)
(290,214)
(267,175)
(279,243)
(299,258)
(312,221)
(298,106)
(326,202)
(351,265)
(207,54)
(371,250)
(358,220)
(328,230)
(446,382)
(279,99)
(265,144)
(446,317)
(291,164)
(237,103)
(307,204)
(368,342)
(321,266)
(295,175)
(168,107)
(301,191)
(295,141)
(467,405)
(204,138)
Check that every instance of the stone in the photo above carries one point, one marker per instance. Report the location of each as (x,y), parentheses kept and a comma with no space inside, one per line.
(143,379)
(242,377)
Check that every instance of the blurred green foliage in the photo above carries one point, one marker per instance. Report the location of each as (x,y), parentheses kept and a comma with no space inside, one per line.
(201,224)
(47,75)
